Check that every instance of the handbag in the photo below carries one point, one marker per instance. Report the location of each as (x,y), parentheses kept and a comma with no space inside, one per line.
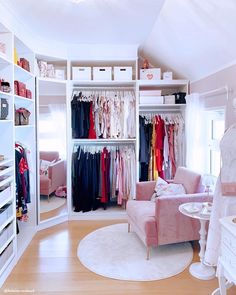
(4,108)
(22,116)
(228,189)
(180,97)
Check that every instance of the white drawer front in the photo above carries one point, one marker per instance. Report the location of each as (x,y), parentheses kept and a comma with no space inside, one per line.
(229,240)
(228,257)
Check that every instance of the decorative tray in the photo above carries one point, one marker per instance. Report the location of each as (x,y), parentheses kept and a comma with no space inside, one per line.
(192,208)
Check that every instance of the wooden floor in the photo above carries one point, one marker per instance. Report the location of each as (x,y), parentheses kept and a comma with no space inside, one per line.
(50,266)
(53,213)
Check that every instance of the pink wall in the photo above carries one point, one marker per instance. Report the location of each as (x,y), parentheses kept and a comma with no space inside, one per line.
(224,77)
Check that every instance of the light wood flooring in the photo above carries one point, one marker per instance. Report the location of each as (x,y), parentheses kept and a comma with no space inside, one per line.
(50,266)
(53,213)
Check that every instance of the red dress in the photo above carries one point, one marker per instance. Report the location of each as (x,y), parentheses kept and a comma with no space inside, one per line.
(159,145)
(92,132)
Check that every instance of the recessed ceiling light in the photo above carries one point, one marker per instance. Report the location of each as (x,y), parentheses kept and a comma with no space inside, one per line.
(77,1)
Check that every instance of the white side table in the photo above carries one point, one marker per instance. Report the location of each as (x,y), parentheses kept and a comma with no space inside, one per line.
(199,210)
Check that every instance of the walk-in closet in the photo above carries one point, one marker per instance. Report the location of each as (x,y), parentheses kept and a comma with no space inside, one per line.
(113,116)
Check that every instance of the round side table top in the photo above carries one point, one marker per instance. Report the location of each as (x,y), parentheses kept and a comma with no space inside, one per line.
(198,210)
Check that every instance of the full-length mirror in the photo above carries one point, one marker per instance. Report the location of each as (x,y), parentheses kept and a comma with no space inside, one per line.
(52,149)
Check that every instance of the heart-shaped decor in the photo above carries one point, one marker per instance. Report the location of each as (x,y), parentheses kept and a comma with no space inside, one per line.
(149,76)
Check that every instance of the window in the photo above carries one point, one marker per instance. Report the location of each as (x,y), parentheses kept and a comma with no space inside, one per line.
(215,123)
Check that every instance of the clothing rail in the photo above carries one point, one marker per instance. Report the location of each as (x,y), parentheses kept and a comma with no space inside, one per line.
(99,146)
(158,111)
(104,141)
(220,90)
(118,88)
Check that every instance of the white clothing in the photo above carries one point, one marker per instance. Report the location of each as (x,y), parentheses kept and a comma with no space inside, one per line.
(222,206)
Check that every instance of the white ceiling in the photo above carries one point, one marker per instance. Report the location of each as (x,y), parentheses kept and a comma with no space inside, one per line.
(191,37)
(90,22)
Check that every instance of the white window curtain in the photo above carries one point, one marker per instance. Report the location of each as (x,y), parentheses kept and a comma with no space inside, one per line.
(58,114)
(195,133)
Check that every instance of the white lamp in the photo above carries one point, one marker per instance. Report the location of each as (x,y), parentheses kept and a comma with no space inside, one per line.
(209,181)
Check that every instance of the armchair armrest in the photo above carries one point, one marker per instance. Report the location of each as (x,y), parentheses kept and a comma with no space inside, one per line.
(56,172)
(144,190)
(172,225)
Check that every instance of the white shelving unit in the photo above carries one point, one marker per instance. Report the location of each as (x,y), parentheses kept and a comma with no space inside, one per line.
(12,245)
(177,83)
(78,85)
(167,87)
(26,135)
(7,167)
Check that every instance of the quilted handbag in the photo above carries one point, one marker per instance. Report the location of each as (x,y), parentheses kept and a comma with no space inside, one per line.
(22,116)
(4,108)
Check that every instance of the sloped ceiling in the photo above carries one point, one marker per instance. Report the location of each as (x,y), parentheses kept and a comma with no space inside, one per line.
(89,22)
(193,38)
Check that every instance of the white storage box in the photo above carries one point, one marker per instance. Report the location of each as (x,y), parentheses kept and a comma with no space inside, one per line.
(5,193)
(3,214)
(151,100)
(42,65)
(50,71)
(6,254)
(150,74)
(167,76)
(9,210)
(10,230)
(123,73)
(81,73)
(102,73)
(3,236)
(60,73)
(169,99)
(150,92)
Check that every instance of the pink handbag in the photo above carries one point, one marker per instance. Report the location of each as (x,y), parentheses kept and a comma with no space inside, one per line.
(228,189)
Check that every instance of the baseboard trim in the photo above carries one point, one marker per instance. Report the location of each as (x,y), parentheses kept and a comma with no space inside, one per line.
(52,221)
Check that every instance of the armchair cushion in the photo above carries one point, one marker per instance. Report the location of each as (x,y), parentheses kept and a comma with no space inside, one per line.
(168,189)
(44,165)
(143,215)
(189,179)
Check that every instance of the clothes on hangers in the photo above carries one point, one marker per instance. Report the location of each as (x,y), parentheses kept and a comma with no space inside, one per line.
(103,114)
(102,175)
(161,145)
(22,182)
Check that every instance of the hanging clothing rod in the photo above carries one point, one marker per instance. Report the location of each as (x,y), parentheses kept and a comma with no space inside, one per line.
(102,142)
(159,111)
(220,90)
(103,88)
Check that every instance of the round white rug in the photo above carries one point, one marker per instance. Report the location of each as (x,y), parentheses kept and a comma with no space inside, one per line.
(54,203)
(113,252)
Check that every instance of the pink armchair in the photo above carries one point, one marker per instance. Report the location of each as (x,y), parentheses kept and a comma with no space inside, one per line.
(160,222)
(56,173)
